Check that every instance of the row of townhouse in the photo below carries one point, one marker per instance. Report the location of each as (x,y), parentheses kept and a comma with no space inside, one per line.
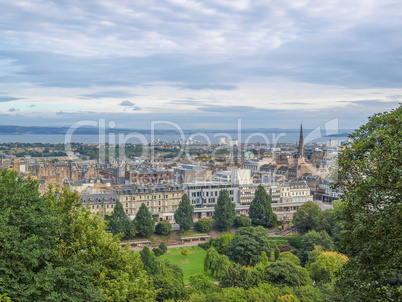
(163,200)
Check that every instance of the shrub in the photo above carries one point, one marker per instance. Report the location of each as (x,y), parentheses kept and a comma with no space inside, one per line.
(205,245)
(163,228)
(185,252)
(203,226)
(158,252)
(163,247)
(242,221)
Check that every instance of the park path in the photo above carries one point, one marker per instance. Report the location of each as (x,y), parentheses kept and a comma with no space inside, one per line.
(171,246)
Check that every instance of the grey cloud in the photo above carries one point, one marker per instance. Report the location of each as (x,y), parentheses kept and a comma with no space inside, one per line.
(107,94)
(127,104)
(136,108)
(4,99)
(13,110)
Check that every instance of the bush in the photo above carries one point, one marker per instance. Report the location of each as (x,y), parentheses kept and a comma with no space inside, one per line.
(163,228)
(163,247)
(205,245)
(157,252)
(185,252)
(203,226)
(242,221)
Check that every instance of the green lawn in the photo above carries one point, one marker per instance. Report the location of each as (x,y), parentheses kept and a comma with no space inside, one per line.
(191,264)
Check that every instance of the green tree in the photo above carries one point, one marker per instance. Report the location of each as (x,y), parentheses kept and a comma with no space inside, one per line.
(215,262)
(248,244)
(326,265)
(203,226)
(311,240)
(264,259)
(163,228)
(260,209)
(289,257)
(225,212)
(201,283)
(282,273)
(235,276)
(306,216)
(169,281)
(143,222)
(326,221)
(242,221)
(148,260)
(163,247)
(119,272)
(119,222)
(276,253)
(369,174)
(184,215)
(32,266)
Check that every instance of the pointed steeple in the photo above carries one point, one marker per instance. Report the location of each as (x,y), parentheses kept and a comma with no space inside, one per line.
(301,142)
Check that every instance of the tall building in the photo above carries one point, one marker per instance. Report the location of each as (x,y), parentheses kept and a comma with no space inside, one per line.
(301,143)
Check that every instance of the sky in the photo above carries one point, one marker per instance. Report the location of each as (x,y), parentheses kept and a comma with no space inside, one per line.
(200,64)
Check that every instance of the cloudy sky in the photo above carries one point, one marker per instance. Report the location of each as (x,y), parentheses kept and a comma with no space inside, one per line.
(201,64)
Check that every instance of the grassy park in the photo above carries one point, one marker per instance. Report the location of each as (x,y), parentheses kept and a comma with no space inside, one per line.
(191,264)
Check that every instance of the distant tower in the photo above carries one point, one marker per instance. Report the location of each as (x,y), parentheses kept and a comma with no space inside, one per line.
(301,143)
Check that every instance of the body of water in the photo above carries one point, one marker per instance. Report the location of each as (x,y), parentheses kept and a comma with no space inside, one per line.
(135,138)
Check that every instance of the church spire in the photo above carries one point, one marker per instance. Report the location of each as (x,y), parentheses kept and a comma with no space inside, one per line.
(301,142)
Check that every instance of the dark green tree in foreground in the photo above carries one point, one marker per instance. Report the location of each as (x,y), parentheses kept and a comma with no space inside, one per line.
(184,214)
(248,244)
(260,209)
(370,173)
(119,222)
(54,249)
(225,212)
(306,216)
(143,221)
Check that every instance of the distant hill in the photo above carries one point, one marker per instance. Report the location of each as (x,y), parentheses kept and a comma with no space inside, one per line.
(36,130)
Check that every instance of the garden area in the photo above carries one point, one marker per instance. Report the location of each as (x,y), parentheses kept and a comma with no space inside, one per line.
(191,264)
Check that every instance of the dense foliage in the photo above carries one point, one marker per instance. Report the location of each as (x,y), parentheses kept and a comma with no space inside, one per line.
(225,213)
(203,226)
(53,249)
(163,228)
(369,174)
(184,214)
(247,245)
(143,221)
(306,216)
(242,221)
(260,209)
(118,222)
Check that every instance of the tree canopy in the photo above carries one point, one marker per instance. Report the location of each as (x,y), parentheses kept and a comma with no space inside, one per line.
(260,209)
(369,174)
(54,249)
(143,221)
(306,216)
(119,222)
(184,215)
(247,245)
(225,212)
